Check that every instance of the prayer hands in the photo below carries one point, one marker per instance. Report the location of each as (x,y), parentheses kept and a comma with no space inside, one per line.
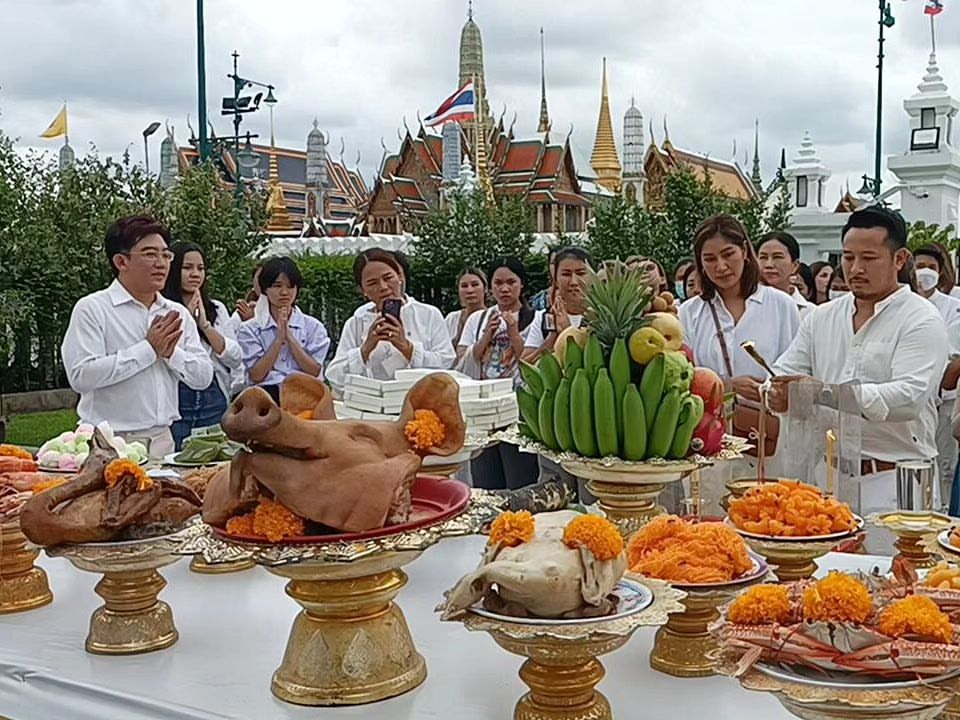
(164,333)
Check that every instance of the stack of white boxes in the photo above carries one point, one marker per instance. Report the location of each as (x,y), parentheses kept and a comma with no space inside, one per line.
(486,404)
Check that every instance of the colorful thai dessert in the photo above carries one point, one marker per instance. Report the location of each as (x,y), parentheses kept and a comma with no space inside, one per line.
(19,479)
(841,624)
(672,549)
(304,472)
(790,508)
(561,564)
(111,498)
(67,451)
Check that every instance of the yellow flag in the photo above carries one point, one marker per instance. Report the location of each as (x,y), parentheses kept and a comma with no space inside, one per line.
(59,125)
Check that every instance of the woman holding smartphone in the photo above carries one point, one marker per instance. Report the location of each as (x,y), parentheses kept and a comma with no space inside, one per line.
(392,331)
(571,273)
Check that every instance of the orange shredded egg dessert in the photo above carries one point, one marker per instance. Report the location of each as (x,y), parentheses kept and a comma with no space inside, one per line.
(837,598)
(48,483)
(916,615)
(118,469)
(597,534)
(789,509)
(425,431)
(240,524)
(511,529)
(672,549)
(276,522)
(14,451)
(762,605)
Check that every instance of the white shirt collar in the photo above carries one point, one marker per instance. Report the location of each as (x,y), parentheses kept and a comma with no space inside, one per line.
(119,295)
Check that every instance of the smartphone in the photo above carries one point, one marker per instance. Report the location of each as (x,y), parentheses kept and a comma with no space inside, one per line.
(392,307)
(549,324)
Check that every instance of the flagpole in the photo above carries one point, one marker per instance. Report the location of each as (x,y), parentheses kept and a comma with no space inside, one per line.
(933,37)
(476,128)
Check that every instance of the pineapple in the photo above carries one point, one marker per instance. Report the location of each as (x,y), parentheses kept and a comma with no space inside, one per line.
(616,303)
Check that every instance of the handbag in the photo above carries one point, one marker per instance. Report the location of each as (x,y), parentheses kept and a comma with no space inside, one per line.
(746,417)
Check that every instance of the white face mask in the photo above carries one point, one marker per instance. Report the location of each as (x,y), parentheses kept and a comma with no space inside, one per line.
(927,278)
(834,294)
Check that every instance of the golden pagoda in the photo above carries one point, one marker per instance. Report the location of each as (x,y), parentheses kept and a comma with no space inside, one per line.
(604,159)
(277,207)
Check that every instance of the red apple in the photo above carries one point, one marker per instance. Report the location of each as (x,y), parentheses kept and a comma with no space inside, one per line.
(688,351)
(708,385)
(708,437)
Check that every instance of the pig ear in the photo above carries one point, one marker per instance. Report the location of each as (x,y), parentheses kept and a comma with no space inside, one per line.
(306,396)
(441,393)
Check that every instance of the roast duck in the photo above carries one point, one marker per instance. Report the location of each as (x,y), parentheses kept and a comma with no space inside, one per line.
(346,475)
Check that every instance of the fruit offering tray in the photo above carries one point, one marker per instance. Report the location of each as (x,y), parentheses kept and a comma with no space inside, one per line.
(200,539)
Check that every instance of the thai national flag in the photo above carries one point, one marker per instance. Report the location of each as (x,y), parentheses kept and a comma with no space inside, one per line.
(457,107)
(933,7)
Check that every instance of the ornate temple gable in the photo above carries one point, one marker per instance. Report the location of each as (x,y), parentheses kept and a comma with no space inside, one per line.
(848,203)
(655,167)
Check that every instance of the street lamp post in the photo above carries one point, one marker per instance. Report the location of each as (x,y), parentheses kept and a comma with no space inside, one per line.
(240,105)
(872,185)
(204,148)
(147,132)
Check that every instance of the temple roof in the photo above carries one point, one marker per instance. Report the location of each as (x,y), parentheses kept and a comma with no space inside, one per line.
(727,177)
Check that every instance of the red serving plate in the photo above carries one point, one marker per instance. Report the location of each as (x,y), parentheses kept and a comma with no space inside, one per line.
(435,499)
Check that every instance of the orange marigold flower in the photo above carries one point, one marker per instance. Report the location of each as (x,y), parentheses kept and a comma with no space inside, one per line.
(597,534)
(121,468)
(512,528)
(47,484)
(14,451)
(275,522)
(425,430)
(837,598)
(240,525)
(916,615)
(761,605)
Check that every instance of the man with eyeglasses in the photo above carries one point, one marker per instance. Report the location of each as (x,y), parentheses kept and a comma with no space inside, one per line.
(127,347)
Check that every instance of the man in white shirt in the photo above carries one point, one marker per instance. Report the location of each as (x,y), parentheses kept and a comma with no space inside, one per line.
(886,337)
(127,347)
(929,264)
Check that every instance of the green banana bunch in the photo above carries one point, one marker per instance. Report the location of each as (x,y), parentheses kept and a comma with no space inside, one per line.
(550,371)
(561,416)
(634,425)
(651,389)
(691,412)
(529,411)
(545,419)
(532,378)
(620,377)
(581,415)
(592,358)
(664,425)
(605,414)
(573,360)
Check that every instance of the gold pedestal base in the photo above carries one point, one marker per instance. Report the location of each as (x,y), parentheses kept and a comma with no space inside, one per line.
(22,585)
(910,547)
(201,566)
(132,620)
(792,560)
(683,647)
(350,645)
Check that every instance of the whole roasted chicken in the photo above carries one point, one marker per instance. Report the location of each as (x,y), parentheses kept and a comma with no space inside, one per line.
(109,499)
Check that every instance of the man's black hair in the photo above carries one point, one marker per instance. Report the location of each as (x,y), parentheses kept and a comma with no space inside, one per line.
(277,266)
(874,216)
(126,232)
(785,239)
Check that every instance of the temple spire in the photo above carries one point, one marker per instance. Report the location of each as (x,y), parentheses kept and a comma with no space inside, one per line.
(471,68)
(604,159)
(544,125)
(755,176)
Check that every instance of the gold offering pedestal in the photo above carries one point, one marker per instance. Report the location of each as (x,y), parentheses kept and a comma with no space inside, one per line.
(911,527)
(562,666)
(350,644)
(202,567)
(23,586)
(825,699)
(132,618)
(793,560)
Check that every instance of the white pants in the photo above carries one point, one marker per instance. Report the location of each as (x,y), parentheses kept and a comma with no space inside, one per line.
(946,448)
(159,440)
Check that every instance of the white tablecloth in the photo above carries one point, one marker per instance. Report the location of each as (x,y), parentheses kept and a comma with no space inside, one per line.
(233,630)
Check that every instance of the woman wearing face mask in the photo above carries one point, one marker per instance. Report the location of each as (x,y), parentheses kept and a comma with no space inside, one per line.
(472,292)
(287,340)
(822,272)
(391,331)
(187,284)
(679,275)
(571,273)
(779,256)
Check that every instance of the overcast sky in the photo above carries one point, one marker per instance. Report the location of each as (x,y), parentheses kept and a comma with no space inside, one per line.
(361,66)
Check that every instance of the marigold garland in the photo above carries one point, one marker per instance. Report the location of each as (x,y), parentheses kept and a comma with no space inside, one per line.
(762,605)
(425,431)
(837,598)
(597,534)
(512,528)
(14,451)
(118,469)
(916,615)
(48,484)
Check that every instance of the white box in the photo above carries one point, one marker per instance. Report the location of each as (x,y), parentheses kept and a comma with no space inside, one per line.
(479,406)
(358,382)
(378,416)
(492,388)
(345,412)
(392,408)
(469,389)
(362,402)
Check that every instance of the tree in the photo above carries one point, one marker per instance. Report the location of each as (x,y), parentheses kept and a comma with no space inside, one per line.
(920,233)
(467,231)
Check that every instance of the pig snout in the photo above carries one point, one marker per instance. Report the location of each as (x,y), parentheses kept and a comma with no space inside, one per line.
(252,414)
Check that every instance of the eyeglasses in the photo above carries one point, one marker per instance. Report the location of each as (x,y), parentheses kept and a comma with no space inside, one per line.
(153,256)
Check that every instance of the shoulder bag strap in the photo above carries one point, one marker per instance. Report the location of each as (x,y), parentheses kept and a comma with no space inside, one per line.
(721,339)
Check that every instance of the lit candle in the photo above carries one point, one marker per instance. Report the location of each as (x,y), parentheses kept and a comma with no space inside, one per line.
(831,461)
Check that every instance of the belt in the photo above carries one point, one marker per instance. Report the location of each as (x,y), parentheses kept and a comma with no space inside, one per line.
(869,466)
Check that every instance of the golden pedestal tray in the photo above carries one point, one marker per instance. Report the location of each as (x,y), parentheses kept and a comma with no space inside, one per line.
(202,567)
(132,619)
(911,528)
(684,647)
(562,668)
(23,586)
(825,699)
(350,644)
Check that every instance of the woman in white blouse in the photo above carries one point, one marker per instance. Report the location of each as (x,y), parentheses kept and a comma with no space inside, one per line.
(186,284)
(571,273)
(778,254)
(733,307)
(472,293)
(376,344)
